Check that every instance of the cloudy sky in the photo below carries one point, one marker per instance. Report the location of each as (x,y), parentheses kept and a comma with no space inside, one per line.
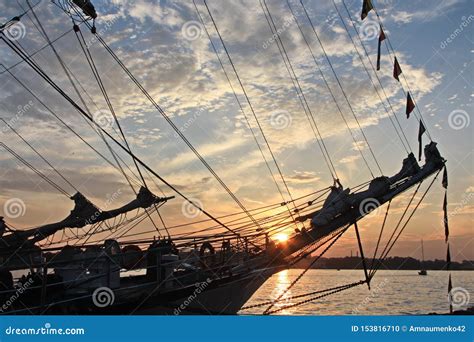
(166,47)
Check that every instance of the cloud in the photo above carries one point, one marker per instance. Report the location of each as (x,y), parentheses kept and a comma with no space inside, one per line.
(424,14)
(299,177)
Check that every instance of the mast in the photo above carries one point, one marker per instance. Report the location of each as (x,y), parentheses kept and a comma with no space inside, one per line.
(422,254)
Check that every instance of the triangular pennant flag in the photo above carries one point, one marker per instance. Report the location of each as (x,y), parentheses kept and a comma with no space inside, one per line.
(450,287)
(420,135)
(445,178)
(366,8)
(410,105)
(448,259)
(445,210)
(396,69)
(381,39)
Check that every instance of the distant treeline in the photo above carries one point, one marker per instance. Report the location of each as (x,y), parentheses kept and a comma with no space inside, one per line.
(392,263)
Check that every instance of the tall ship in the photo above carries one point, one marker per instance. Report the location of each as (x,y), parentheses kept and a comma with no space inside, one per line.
(96,261)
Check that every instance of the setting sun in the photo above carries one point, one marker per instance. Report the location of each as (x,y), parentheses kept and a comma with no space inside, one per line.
(281,237)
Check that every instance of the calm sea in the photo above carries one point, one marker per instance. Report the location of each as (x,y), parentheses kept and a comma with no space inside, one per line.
(393,292)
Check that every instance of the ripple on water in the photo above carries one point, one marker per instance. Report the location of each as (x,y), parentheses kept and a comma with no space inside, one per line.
(402,292)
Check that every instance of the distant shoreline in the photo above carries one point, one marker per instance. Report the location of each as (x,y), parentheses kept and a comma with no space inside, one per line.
(392,263)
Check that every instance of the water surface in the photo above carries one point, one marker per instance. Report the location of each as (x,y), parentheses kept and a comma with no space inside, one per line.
(393,292)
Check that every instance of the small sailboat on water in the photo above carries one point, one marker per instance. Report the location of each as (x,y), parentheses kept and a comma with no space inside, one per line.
(423,271)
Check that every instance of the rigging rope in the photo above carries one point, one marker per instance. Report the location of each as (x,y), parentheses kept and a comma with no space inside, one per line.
(239,103)
(247,98)
(300,296)
(59,119)
(95,72)
(41,73)
(334,239)
(333,96)
(69,73)
(383,256)
(35,170)
(342,288)
(370,77)
(345,96)
(301,96)
(39,154)
(167,118)
(392,51)
(43,32)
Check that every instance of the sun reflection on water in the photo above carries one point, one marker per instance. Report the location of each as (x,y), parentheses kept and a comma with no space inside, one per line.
(281,284)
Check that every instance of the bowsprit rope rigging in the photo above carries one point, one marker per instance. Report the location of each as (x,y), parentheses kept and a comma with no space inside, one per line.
(392,53)
(370,77)
(247,98)
(323,77)
(376,74)
(343,93)
(167,118)
(299,91)
(239,104)
(391,243)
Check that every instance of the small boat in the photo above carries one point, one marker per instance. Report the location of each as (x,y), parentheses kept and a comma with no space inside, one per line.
(422,272)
